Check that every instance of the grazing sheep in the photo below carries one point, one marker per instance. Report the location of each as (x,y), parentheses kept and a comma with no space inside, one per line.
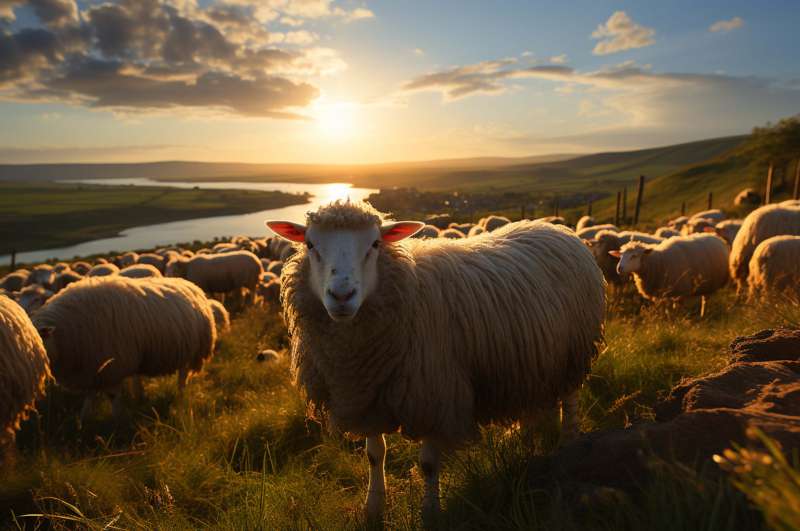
(103,270)
(154,260)
(428,231)
(42,275)
(275,267)
(222,318)
(606,241)
(728,229)
(716,215)
(220,273)
(24,368)
(474,231)
(140,271)
(126,259)
(82,268)
(747,197)
(553,220)
(15,281)
(678,222)
(678,267)
(99,331)
(492,223)
(65,279)
(463,228)
(697,225)
(666,232)
(224,247)
(775,267)
(790,203)
(436,337)
(440,221)
(588,233)
(269,291)
(585,222)
(33,297)
(101,260)
(452,234)
(60,267)
(761,224)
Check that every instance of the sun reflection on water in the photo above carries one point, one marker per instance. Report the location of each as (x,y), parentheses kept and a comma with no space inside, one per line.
(335,191)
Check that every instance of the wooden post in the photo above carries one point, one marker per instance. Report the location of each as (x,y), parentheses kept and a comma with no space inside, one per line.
(710,199)
(13,259)
(683,208)
(616,216)
(768,195)
(625,205)
(796,194)
(639,195)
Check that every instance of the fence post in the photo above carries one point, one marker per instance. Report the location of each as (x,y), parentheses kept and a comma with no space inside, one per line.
(683,208)
(768,195)
(639,195)
(796,194)
(13,259)
(710,199)
(625,205)
(616,216)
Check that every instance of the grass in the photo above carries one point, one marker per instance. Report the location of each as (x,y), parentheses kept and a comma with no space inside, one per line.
(40,215)
(238,453)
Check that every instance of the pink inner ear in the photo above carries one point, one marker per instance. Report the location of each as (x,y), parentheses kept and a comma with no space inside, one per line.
(399,231)
(288,231)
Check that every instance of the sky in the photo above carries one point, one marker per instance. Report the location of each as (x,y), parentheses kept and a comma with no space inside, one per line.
(366,81)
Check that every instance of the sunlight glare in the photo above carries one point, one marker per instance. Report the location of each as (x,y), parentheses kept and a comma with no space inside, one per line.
(337,121)
(336,191)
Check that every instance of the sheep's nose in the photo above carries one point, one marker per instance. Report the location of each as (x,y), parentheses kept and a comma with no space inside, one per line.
(342,296)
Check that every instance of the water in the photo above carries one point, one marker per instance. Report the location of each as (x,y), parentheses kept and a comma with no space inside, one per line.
(201,228)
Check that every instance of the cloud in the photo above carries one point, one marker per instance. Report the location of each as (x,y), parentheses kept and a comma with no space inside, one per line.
(621,33)
(724,26)
(559,59)
(419,52)
(145,55)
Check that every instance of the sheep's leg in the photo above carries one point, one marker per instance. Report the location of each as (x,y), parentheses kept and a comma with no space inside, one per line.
(570,423)
(430,462)
(376,491)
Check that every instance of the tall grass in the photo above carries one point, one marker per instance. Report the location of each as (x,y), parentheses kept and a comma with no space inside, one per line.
(238,453)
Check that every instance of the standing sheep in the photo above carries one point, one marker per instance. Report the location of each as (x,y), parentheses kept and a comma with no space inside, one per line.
(775,267)
(716,215)
(678,267)
(761,224)
(678,222)
(747,197)
(585,222)
(103,270)
(697,225)
(606,241)
(15,281)
(154,260)
(666,232)
(140,271)
(222,318)
(428,231)
(474,231)
(220,273)
(99,331)
(588,233)
(436,337)
(492,223)
(65,279)
(42,274)
(80,267)
(24,368)
(728,229)
(452,234)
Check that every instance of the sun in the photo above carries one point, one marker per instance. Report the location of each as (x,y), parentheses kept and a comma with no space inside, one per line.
(337,121)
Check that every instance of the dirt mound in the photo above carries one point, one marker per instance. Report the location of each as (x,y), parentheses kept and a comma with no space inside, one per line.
(702,416)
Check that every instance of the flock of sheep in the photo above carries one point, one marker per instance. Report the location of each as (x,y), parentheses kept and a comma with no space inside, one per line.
(372,320)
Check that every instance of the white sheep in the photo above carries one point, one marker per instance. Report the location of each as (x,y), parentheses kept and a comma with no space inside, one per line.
(33,297)
(761,224)
(64,279)
(140,271)
(697,225)
(222,318)
(491,223)
(452,234)
(606,241)
(24,368)
(103,270)
(716,215)
(428,231)
(474,231)
(678,222)
(155,260)
(666,232)
(15,281)
(590,232)
(775,267)
(679,267)
(747,197)
(126,259)
(220,273)
(80,267)
(585,222)
(42,274)
(728,229)
(99,331)
(436,337)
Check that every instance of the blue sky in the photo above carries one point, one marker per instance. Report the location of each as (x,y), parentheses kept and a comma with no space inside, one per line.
(372,81)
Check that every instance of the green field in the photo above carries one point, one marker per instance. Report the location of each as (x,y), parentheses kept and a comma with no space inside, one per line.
(238,452)
(41,215)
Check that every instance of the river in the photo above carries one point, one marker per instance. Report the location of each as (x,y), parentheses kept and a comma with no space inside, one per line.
(149,236)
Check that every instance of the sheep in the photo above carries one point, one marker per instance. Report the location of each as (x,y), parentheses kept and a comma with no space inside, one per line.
(269,291)
(492,223)
(790,203)
(474,231)
(60,267)
(553,220)
(276,266)
(15,281)
(588,233)
(24,368)
(140,271)
(220,273)
(103,270)
(585,222)
(224,247)
(65,279)
(716,215)
(440,221)
(428,231)
(728,229)
(666,232)
(747,197)
(761,224)
(697,225)
(222,318)
(608,240)
(80,267)
(463,228)
(154,260)
(678,222)
(452,234)
(775,267)
(126,259)
(33,297)
(436,337)
(679,267)
(99,331)
(42,275)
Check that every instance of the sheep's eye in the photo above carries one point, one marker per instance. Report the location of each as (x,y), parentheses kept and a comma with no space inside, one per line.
(375,244)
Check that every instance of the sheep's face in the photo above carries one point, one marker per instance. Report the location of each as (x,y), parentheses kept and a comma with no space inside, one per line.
(630,260)
(343,263)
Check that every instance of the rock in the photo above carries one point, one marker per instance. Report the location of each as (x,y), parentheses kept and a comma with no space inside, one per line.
(767,345)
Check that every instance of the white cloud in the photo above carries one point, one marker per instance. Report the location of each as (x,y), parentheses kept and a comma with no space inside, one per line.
(289,21)
(527,53)
(621,33)
(559,59)
(418,52)
(724,26)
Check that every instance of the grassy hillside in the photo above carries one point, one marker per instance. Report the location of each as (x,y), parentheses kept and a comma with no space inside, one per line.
(42,214)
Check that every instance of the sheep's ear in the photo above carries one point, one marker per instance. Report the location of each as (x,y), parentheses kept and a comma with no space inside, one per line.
(294,232)
(46,331)
(394,232)
(615,254)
